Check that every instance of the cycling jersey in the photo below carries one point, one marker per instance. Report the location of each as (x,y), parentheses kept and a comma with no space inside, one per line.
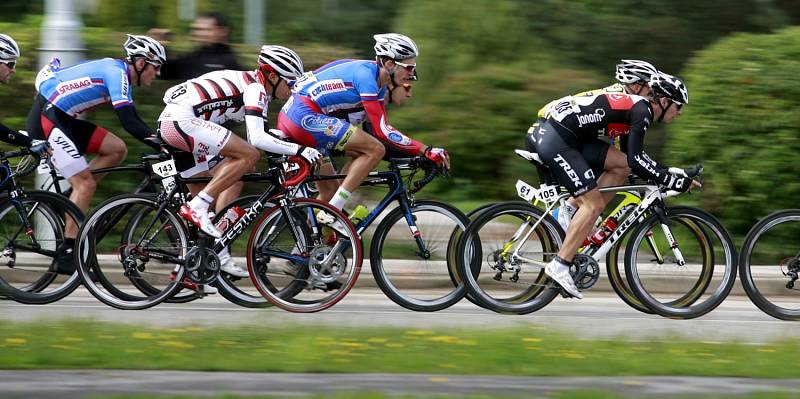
(315,115)
(196,110)
(579,120)
(544,112)
(80,87)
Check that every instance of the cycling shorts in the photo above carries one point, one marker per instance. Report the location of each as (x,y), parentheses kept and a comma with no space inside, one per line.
(69,137)
(195,142)
(305,124)
(575,164)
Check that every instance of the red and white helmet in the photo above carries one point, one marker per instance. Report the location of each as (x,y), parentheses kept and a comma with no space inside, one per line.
(282,60)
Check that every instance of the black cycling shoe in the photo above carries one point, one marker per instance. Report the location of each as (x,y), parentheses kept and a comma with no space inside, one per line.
(65,263)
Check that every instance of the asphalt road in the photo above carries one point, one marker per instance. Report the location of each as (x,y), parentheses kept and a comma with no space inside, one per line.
(599,315)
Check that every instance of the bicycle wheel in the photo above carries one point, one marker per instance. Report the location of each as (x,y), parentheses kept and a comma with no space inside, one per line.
(678,288)
(770,262)
(502,265)
(27,260)
(240,290)
(300,264)
(126,259)
(414,279)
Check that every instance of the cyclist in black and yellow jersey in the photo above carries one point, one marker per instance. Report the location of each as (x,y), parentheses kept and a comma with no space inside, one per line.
(9,53)
(633,77)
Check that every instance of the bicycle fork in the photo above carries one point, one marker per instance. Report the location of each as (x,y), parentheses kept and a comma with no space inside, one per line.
(673,243)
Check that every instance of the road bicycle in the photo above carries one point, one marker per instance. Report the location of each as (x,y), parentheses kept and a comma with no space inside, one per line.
(504,250)
(156,250)
(31,231)
(769,264)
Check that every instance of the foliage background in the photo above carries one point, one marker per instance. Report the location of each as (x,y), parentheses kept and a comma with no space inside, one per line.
(487,66)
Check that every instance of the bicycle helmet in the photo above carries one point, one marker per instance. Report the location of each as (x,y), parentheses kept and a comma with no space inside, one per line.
(666,85)
(144,46)
(282,60)
(635,71)
(9,50)
(395,46)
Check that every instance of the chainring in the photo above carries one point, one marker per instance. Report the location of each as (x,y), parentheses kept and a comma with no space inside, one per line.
(199,272)
(585,271)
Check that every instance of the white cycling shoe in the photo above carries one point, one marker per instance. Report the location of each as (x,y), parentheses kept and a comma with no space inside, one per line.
(559,272)
(229,266)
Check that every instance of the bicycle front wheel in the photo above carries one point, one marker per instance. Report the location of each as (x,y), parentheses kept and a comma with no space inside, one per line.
(132,265)
(502,254)
(304,256)
(28,258)
(769,264)
(412,265)
(699,267)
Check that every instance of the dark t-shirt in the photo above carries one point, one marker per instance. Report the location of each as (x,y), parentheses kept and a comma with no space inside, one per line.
(200,61)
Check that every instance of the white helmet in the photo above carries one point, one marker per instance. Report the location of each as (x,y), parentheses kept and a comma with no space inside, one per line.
(283,60)
(146,47)
(635,71)
(395,46)
(9,50)
(666,85)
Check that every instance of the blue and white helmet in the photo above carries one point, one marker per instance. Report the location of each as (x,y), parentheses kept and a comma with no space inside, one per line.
(146,47)
(9,49)
(666,85)
(395,46)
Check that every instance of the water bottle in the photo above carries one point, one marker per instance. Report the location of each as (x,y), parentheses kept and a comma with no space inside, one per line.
(229,218)
(601,233)
(359,213)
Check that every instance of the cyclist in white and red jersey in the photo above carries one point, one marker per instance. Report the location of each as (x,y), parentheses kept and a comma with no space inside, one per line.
(196,110)
(347,86)
(576,121)
(65,93)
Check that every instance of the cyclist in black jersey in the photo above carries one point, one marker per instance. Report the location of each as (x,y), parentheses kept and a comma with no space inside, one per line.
(9,53)
(575,122)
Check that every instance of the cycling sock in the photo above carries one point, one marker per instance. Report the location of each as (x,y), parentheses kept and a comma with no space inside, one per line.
(562,261)
(201,201)
(340,198)
(569,209)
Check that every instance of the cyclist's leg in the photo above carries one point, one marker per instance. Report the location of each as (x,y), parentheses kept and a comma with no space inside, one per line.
(366,152)
(327,187)
(607,162)
(110,150)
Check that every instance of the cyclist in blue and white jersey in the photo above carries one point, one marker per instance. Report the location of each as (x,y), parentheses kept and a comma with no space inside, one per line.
(349,86)
(65,93)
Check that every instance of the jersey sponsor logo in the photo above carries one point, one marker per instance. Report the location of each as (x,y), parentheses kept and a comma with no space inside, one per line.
(399,138)
(321,123)
(73,85)
(596,117)
(327,87)
(125,86)
(202,152)
(618,129)
(576,180)
(220,104)
(67,147)
(619,101)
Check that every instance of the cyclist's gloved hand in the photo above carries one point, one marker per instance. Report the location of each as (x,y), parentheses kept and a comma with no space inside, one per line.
(679,183)
(40,147)
(154,142)
(438,156)
(310,154)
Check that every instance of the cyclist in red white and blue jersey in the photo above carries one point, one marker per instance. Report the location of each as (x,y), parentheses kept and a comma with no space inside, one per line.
(65,93)
(315,115)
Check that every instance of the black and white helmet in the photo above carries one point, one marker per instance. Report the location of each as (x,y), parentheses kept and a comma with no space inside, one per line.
(666,85)
(395,46)
(144,46)
(9,50)
(283,60)
(635,71)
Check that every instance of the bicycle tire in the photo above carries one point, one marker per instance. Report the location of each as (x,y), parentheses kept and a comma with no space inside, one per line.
(775,279)
(394,284)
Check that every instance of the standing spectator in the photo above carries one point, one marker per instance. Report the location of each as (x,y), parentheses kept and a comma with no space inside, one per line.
(210,31)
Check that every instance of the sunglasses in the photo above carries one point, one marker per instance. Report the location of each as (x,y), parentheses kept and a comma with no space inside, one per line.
(408,67)
(10,65)
(678,106)
(156,65)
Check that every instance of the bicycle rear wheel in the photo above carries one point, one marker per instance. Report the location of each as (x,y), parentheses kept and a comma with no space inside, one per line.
(134,268)
(299,263)
(769,264)
(413,279)
(27,260)
(497,278)
(688,288)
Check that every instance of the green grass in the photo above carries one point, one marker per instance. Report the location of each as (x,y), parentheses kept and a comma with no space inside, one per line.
(532,351)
